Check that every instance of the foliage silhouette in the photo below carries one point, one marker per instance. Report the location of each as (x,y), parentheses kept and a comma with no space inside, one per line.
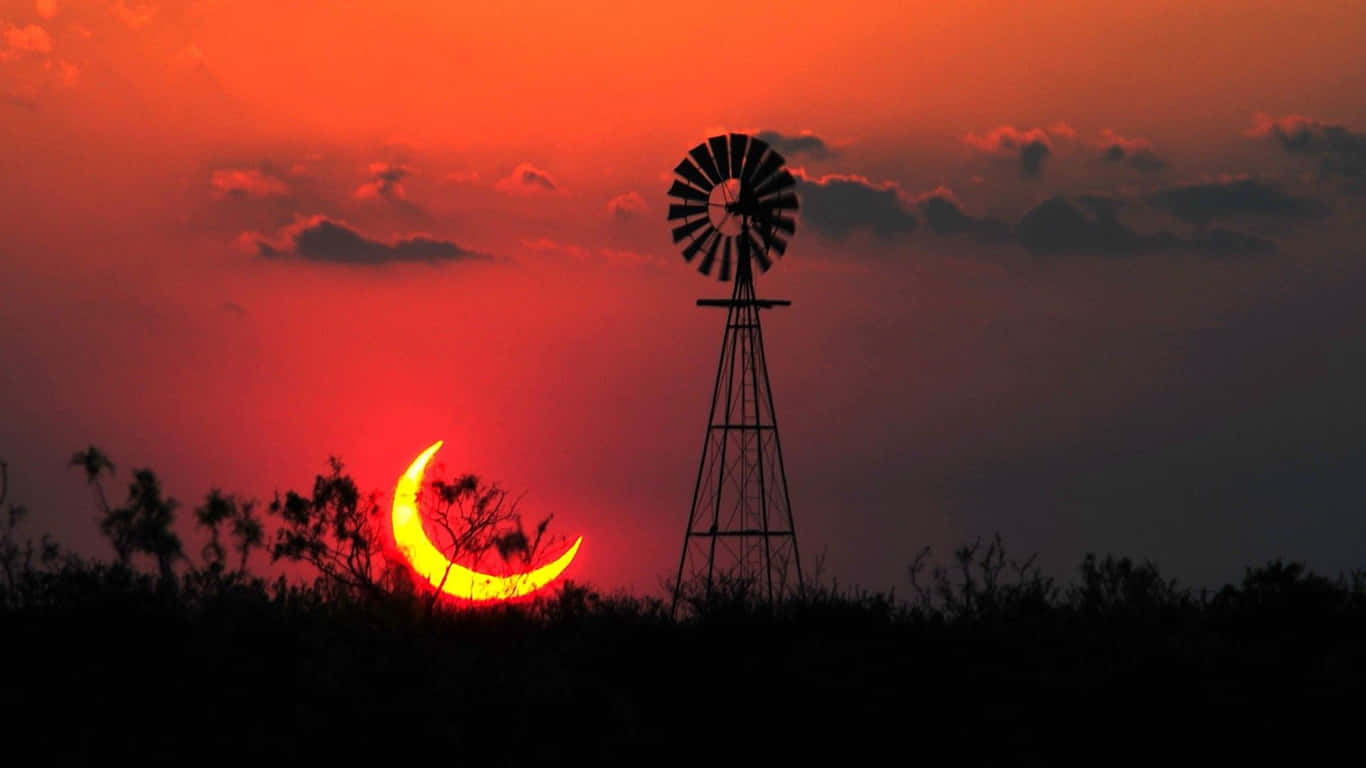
(989,661)
(94,463)
(144,524)
(246,529)
(471,518)
(338,532)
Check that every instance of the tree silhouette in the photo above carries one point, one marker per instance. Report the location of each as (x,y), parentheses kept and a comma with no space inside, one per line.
(116,524)
(9,548)
(247,532)
(94,463)
(245,529)
(216,508)
(335,530)
(471,518)
(144,523)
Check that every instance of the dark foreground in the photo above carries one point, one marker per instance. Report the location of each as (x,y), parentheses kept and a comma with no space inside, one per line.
(101,663)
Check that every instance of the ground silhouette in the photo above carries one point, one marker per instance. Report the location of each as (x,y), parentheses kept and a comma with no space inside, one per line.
(162,657)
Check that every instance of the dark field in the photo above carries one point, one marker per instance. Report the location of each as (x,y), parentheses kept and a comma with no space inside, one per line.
(100,663)
(161,657)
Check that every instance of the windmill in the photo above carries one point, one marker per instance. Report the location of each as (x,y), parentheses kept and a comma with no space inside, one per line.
(733,210)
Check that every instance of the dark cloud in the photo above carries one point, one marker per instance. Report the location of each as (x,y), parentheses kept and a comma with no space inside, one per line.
(837,205)
(1091,224)
(1135,153)
(945,217)
(1341,151)
(1031,147)
(802,144)
(1058,224)
(526,179)
(626,206)
(1031,158)
(238,183)
(321,239)
(385,182)
(1199,204)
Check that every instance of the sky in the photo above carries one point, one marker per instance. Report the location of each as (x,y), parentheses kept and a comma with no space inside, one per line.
(1085,274)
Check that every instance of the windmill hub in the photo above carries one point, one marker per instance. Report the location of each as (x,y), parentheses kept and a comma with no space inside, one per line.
(723,208)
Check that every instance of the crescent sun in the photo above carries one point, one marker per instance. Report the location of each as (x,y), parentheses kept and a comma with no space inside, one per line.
(453,578)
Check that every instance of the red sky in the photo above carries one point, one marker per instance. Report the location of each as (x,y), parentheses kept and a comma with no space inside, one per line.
(1064,377)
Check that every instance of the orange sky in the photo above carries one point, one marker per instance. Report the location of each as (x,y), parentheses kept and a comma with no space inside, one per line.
(146,148)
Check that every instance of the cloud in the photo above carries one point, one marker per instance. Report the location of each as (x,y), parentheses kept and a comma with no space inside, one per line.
(1058,224)
(545,244)
(1031,147)
(27,39)
(45,8)
(1342,151)
(836,205)
(1062,130)
(1135,153)
(319,238)
(1091,224)
(1199,204)
(68,73)
(188,58)
(239,183)
(384,182)
(526,179)
(626,206)
(612,256)
(805,144)
(134,16)
(1086,224)
(21,96)
(946,217)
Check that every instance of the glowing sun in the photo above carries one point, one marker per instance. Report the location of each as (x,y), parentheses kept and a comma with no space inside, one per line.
(453,578)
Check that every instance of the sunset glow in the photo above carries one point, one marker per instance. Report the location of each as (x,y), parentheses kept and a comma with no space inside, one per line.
(1030,235)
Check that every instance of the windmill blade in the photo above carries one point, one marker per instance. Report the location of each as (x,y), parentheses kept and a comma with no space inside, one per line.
(783,202)
(757,148)
(689,171)
(698,244)
(679,189)
(783,223)
(724,274)
(738,142)
(772,162)
(758,252)
(772,240)
(702,157)
(690,227)
(722,154)
(684,211)
(778,183)
(704,266)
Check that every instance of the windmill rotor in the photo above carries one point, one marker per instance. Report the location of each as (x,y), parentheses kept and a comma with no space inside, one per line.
(733,205)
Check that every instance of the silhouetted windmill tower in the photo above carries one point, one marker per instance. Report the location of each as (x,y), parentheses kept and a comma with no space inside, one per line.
(734,204)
